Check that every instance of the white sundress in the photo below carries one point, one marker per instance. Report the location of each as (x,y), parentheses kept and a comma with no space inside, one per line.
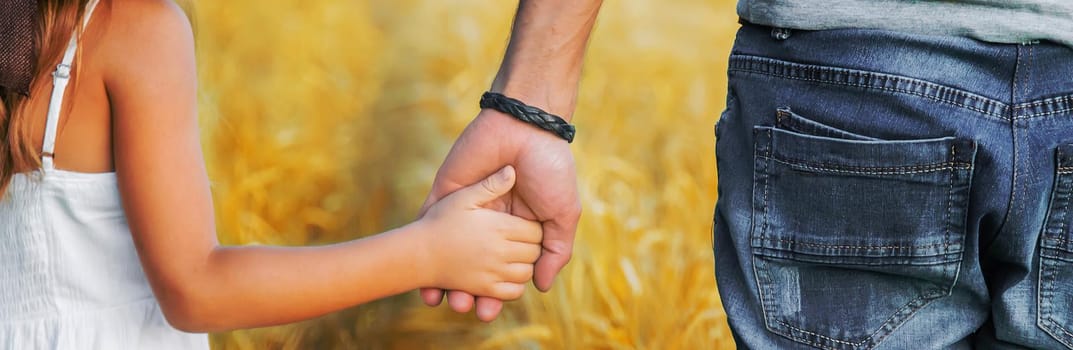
(70,277)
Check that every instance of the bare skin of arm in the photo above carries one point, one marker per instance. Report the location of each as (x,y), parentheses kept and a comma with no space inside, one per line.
(150,78)
(542,67)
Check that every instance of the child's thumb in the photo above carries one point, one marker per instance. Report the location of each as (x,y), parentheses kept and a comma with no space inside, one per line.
(492,187)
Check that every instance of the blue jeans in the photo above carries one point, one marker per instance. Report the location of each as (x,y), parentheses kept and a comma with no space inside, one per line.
(883,190)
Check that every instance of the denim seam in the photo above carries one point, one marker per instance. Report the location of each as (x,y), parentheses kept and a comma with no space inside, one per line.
(1047,277)
(1028,71)
(1061,224)
(767,185)
(949,198)
(819,336)
(1059,239)
(900,315)
(799,67)
(783,118)
(877,336)
(846,247)
(796,123)
(866,86)
(924,297)
(764,293)
(780,326)
(1028,67)
(1059,327)
(1064,191)
(757,155)
(1064,103)
(1048,320)
(1053,100)
(1013,81)
(906,170)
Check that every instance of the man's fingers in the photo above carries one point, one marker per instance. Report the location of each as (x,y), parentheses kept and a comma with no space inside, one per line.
(557,249)
(460,301)
(488,308)
(432,296)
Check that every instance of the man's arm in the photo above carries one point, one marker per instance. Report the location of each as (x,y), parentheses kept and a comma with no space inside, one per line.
(541,67)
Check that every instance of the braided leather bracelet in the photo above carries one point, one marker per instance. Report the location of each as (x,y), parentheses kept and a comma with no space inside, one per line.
(529,114)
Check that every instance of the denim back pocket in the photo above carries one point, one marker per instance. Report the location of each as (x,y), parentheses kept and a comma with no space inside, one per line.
(1055,304)
(852,236)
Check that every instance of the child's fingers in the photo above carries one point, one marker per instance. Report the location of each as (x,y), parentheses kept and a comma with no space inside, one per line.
(518,272)
(522,230)
(518,252)
(507,291)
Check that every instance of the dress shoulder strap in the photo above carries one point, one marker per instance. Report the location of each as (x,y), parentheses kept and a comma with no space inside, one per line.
(60,77)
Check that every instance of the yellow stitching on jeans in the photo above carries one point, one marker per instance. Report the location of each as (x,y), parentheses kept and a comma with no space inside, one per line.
(838,246)
(944,166)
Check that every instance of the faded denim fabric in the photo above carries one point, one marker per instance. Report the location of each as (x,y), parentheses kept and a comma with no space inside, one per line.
(999,21)
(885,190)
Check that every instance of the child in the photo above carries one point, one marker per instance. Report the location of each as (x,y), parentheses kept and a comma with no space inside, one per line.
(107,229)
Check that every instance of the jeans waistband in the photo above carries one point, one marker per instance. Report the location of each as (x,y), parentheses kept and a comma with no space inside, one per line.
(1008,81)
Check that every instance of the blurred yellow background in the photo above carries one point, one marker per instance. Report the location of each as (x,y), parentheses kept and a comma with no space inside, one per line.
(326,120)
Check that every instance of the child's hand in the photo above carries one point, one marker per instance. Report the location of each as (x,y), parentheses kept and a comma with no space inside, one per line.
(477,250)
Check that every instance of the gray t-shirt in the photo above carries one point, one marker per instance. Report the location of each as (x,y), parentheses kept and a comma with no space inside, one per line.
(1000,21)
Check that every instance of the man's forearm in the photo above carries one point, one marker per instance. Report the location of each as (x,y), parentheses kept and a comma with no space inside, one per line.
(542,65)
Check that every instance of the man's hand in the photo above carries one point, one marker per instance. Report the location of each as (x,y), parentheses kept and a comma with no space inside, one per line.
(542,67)
(546,191)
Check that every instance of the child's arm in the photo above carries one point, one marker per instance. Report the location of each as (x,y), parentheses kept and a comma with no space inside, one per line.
(150,78)
(239,287)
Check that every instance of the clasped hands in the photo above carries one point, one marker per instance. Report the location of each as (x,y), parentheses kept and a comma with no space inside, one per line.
(545,191)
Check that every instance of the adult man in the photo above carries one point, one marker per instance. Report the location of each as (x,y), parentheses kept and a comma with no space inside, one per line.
(893,174)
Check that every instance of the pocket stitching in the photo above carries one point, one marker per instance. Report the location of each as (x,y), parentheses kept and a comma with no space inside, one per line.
(1048,323)
(760,153)
(946,243)
(1059,328)
(863,170)
(767,185)
(899,316)
(820,336)
(1060,241)
(791,121)
(949,207)
(875,338)
(1047,278)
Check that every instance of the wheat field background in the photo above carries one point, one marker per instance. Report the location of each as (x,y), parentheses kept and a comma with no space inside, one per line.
(325,121)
